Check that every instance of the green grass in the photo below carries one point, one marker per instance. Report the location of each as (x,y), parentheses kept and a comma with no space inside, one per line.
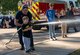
(77,52)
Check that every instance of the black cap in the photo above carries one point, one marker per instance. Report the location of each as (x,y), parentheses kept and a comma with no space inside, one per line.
(25,6)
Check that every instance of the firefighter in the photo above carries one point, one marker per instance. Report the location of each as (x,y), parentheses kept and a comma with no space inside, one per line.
(19,22)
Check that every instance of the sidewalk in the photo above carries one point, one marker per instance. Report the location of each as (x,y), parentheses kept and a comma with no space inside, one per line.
(44,46)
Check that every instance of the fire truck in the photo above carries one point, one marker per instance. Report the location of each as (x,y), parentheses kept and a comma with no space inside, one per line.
(38,9)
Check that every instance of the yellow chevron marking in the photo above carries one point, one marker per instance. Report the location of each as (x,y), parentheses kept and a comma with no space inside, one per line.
(35,6)
(34,10)
(33,15)
(37,3)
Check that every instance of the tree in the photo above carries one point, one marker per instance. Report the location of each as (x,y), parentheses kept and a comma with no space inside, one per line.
(78,1)
(9,5)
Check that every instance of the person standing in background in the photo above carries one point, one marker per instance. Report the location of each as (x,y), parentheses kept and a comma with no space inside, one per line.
(70,15)
(7,22)
(51,18)
(61,16)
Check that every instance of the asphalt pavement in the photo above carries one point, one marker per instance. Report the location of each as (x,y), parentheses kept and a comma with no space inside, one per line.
(43,46)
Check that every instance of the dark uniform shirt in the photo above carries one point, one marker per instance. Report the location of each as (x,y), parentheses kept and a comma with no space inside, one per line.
(20,15)
(28,33)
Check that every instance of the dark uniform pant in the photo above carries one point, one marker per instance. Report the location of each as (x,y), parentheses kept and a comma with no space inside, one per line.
(20,38)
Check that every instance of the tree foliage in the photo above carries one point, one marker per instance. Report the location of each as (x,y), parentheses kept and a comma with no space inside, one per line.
(78,1)
(9,5)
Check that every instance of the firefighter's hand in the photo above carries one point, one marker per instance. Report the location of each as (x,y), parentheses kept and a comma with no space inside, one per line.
(20,25)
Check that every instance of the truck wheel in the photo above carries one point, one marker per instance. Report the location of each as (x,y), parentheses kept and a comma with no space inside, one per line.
(36,27)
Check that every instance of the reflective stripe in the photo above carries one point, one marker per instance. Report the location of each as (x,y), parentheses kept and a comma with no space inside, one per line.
(34,17)
(34,11)
(19,8)
(35,5)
